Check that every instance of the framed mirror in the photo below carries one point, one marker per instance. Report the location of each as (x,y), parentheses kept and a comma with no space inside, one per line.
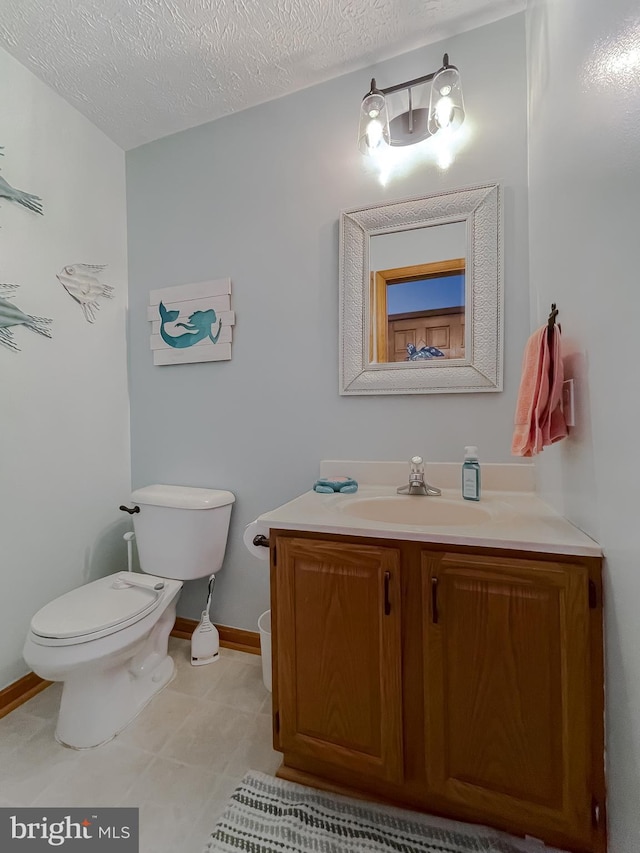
(421,297)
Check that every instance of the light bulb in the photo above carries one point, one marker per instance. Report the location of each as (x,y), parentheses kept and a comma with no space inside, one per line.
(373,130)
(446,106)
(374,133)
(444,112)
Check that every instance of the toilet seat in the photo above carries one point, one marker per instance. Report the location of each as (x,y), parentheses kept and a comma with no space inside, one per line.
(94,610)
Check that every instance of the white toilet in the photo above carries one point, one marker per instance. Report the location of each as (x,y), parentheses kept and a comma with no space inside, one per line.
(107,640)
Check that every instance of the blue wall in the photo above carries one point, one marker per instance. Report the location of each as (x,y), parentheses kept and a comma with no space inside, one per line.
(257,196)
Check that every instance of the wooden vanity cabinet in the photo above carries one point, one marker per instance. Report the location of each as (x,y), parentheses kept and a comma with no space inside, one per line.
(461,681)
(337,619)
(507,689)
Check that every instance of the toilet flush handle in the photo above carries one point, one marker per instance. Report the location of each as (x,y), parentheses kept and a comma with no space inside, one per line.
(124,580)
(131,511)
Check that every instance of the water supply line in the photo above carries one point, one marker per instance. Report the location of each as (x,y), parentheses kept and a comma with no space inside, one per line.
(128,538)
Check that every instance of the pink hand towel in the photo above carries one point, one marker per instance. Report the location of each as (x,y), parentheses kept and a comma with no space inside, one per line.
(533,394)
(539,420)
(555,426)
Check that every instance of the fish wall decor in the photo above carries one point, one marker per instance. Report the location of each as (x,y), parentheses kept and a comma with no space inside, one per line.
(11,315)
(82,283)
(31,202)
(191,322)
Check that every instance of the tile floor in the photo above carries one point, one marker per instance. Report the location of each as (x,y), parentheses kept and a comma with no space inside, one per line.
(178,761)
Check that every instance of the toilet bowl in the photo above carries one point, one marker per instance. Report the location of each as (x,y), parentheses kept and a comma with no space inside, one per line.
(107,640)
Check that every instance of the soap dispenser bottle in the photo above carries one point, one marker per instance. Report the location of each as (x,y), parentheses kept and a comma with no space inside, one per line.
(471,474)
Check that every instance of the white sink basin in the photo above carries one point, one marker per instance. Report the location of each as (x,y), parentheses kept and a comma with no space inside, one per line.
(418,510)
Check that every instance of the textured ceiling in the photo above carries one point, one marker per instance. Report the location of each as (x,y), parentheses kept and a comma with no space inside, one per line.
(141,69)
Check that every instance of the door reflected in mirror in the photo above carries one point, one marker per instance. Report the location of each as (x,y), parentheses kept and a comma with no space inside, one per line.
(417,312)
(417,309)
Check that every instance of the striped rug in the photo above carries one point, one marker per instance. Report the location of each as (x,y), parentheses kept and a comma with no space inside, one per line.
(268,815)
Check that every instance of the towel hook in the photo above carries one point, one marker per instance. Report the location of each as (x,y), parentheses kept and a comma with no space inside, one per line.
(552,316)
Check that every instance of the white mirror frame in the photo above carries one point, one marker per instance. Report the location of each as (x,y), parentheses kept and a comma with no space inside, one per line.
(481,369)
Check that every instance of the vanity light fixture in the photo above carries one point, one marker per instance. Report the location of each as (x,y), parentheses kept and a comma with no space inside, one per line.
(412,118)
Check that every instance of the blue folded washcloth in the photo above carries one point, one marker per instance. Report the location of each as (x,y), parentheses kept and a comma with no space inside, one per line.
(327,485)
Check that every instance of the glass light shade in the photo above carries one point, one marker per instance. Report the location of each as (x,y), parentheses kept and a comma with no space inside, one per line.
(446,106)
(373,132)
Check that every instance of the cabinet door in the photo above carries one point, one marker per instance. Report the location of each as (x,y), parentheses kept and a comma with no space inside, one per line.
(507,690)
(339,654)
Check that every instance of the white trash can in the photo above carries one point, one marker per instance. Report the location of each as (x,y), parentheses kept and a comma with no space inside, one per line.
(264,626)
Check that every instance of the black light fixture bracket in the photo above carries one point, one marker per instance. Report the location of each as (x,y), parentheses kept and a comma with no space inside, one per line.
(426,78)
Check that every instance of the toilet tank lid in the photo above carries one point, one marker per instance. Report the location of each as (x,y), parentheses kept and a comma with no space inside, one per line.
(182,497)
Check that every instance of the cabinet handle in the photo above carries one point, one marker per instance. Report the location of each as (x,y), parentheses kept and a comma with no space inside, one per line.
(434,600)
(387,602)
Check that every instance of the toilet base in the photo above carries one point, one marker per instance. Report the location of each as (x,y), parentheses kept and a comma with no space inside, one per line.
(95,719)
(97,703)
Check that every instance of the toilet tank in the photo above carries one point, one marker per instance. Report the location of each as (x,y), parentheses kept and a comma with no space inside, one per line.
(181,532)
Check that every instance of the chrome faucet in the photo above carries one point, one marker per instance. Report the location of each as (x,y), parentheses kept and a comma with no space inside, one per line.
(417,484)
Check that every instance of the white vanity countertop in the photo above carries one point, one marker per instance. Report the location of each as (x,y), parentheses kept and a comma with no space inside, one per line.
(507,519)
